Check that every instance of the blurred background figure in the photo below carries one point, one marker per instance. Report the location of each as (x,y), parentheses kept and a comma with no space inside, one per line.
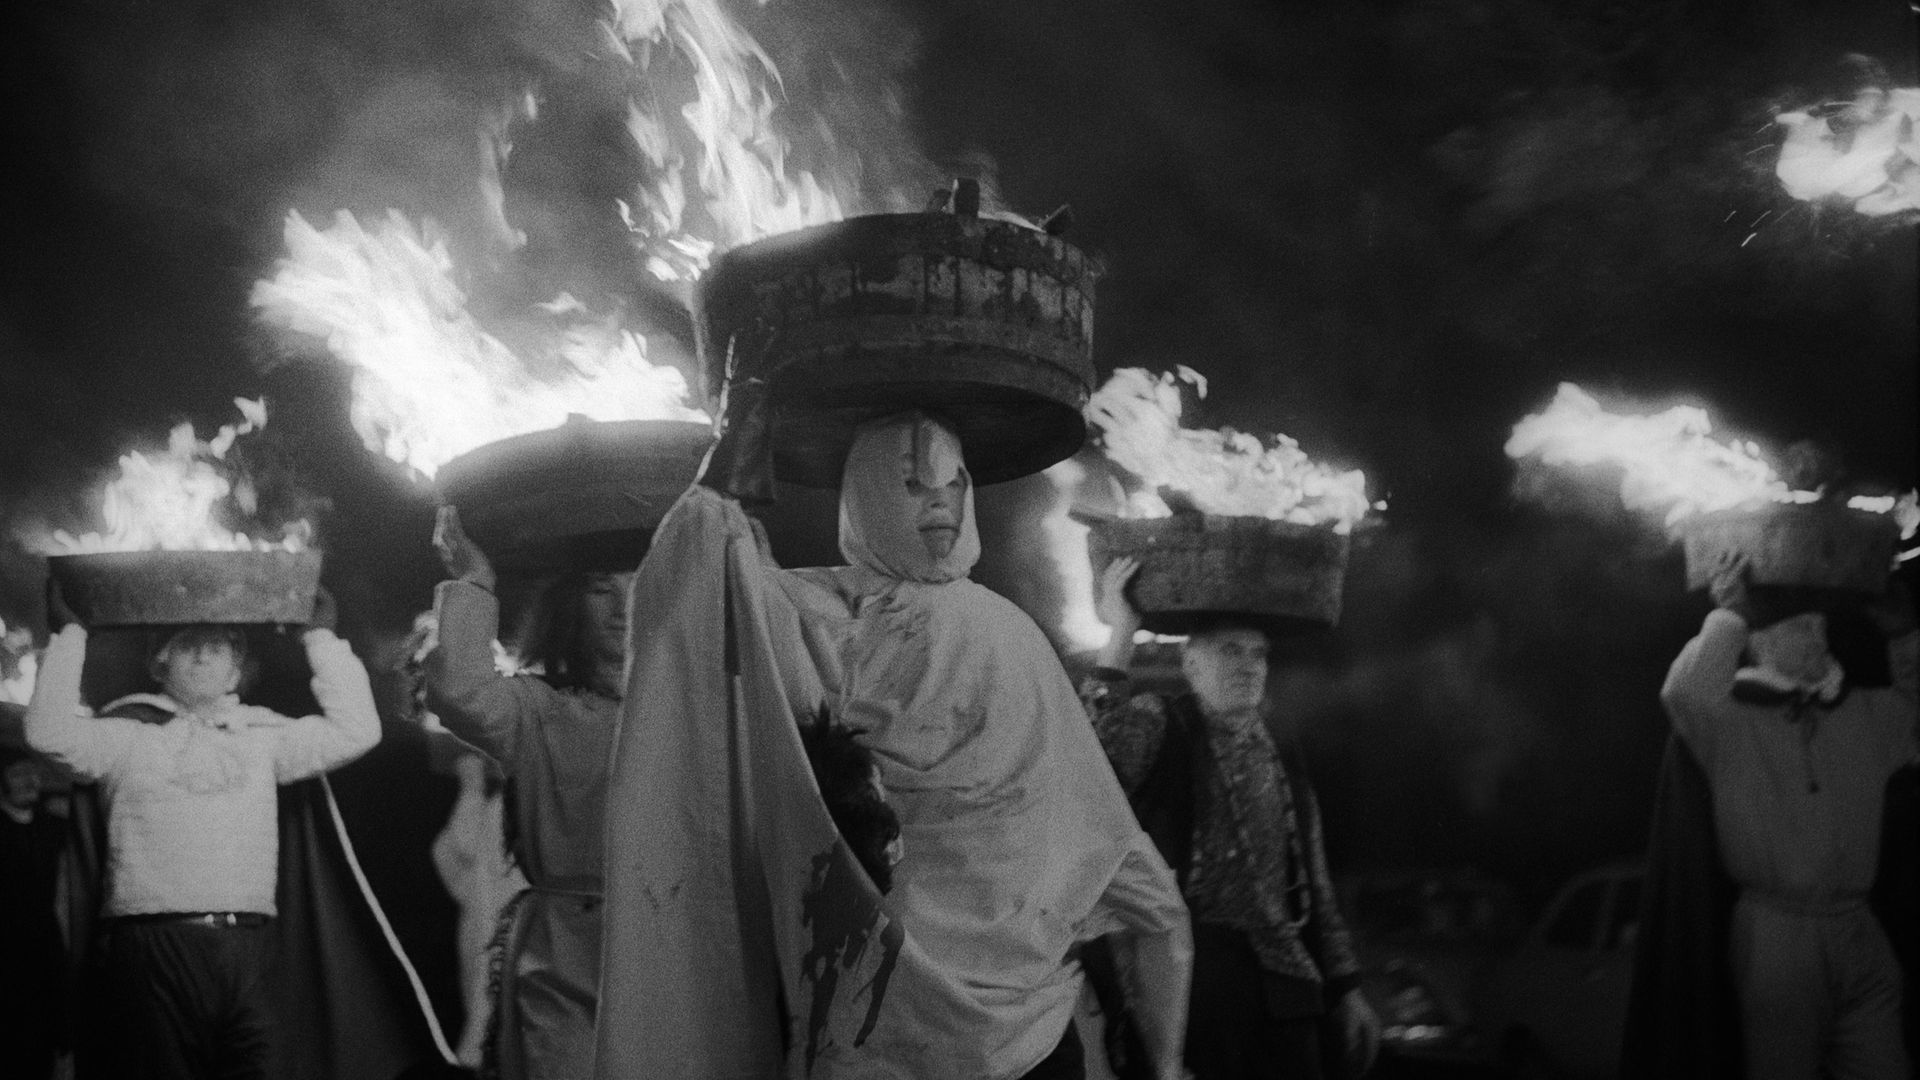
(33,1020)
(471,857)
(1795,751)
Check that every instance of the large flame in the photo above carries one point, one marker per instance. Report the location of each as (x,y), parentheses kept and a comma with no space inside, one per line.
(1228,472)
(1136,417)
(432,380)
(1670,463)
(735,171)
(1864,154)
(186,498)
(18,664)
(431,383)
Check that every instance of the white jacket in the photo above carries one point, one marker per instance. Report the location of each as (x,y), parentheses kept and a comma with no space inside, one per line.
(191,803)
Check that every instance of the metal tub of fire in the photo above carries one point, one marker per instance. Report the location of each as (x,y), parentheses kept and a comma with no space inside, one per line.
(1818,546)
(584,495)
(988,323)
(148,588)
(1198,567)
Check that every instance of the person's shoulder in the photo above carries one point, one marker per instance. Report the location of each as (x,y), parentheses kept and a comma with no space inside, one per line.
(968,599)
(1155,703)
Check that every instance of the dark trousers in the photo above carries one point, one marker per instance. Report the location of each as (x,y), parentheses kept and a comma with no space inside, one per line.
(1067,1062)
(1232,1030)
(190,1001)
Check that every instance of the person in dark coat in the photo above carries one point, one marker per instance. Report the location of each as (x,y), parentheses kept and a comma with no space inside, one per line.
(1236,817)
(32,945)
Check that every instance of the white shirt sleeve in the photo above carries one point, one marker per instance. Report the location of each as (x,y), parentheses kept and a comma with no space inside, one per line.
(59,726)
(348,724)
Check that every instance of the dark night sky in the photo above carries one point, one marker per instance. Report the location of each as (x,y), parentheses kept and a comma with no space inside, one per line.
(1387,229)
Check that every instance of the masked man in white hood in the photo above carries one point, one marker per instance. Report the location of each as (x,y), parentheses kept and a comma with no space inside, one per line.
(742,940)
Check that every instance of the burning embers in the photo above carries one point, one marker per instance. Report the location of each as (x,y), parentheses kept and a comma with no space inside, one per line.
(193,496)
(1721,496)
(185,541)
(1221,521)
(724,159)
(430,382)
(1862,153)
(437,375)
(1670,464)
(1214,472)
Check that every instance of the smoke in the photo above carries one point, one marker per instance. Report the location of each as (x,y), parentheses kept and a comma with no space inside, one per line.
(1272,189)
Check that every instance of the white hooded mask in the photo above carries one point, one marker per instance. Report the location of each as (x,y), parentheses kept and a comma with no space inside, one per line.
(879,527)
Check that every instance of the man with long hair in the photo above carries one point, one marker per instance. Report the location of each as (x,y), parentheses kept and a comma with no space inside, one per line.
(552,735)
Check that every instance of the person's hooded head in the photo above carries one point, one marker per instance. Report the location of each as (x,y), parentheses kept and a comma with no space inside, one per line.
(906,501)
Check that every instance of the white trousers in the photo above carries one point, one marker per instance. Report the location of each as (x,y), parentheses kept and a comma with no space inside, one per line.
(1819,991)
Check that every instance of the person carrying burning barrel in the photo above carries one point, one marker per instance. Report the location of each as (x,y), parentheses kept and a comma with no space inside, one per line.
(1234,813)
(190,776)
(742,933)
(552,734)
(1796,753)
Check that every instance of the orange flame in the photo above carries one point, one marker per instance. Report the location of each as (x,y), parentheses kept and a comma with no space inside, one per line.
(1218,472)
(1864,155)
(430,382)
(1670,462)
(176,500)
(18,664)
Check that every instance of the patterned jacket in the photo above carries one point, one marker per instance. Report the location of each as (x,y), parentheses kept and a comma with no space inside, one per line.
(1236,818)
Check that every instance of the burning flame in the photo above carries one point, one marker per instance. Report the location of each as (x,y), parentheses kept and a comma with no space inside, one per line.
(1864,153)
(1671,463)
(1137,417)
(179,499)
(738,158)
(430,382)
(1217,472)
(18,664)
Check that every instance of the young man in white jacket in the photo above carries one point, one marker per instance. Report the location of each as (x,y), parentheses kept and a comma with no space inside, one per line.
(190,780)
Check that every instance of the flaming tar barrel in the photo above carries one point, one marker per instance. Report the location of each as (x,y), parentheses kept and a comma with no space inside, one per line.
(141,588)
(988,323)
(1196,566)
(586,494)
(1808,545)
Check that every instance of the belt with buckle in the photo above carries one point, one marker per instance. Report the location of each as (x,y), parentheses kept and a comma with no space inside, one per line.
(218,920)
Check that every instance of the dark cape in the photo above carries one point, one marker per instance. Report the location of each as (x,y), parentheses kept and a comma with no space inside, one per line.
(347,1004)
(1683,1015)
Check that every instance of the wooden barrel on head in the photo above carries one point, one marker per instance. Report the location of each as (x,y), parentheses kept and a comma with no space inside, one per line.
(986,323)
(584,495)
(1795,545)
(149,588)
(1195,568)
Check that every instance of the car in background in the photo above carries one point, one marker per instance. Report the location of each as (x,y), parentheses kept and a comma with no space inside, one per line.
(1555,1006)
